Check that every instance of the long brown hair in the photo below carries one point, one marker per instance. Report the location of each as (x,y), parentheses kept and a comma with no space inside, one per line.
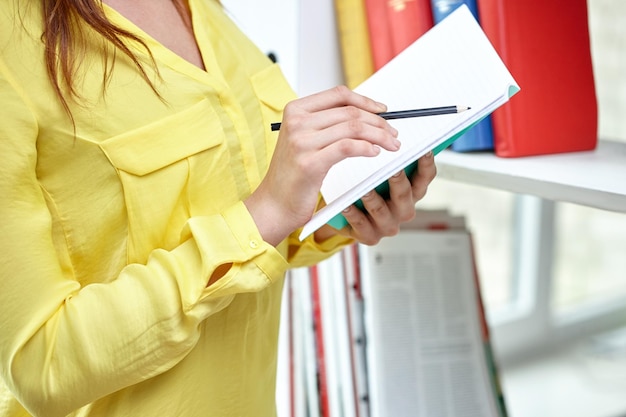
(64,43)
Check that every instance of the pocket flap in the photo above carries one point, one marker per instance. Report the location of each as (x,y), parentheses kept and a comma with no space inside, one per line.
(162,143)
(272,88)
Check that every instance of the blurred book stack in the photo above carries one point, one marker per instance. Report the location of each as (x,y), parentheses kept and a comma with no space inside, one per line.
(397,329)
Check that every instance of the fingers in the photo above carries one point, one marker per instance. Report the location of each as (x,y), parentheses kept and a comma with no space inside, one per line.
(338,97)
(354,138)
(381,213)
(330,107)
(383,217)
(340,117)
(361,227)
(349,119)
(344,127)
(426,172)
(401,197)
(376,221)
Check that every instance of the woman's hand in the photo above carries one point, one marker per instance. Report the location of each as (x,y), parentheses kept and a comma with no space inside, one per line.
(383,217)
(317,132)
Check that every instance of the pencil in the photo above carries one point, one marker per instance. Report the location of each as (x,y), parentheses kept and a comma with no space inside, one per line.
(404,114)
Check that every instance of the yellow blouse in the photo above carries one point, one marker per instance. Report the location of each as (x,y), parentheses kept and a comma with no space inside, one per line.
(109,234)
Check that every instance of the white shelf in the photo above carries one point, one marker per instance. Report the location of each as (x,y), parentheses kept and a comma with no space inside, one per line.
(596,178)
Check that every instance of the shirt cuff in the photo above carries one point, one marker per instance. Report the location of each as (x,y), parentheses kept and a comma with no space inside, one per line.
(232,237)
(245,231)
(310,252)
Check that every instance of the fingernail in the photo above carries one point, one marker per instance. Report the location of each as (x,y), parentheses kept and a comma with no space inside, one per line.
(397,144)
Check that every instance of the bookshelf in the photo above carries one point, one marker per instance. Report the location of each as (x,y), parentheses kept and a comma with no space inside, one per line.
(596,178)
(310,58)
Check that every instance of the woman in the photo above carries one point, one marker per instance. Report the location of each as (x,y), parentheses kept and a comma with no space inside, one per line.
(148,212)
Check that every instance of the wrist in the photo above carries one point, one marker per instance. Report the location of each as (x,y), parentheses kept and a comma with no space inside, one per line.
(269,217)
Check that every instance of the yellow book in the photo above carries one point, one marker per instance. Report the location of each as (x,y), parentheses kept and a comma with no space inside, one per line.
(356,55)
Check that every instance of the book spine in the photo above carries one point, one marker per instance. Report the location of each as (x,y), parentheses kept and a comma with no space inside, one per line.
(442,8)
(356,55)
(319,343)
(354,301)
(480,137)
(492,366)
(408,20)
(379,32)
(547,49)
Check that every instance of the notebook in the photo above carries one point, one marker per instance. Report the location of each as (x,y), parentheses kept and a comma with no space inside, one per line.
(452,64)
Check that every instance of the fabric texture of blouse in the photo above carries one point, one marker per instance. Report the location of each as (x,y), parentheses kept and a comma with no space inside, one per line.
(110,233)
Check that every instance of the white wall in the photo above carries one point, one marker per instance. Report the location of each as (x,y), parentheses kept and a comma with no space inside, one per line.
(318,49)
(302,34)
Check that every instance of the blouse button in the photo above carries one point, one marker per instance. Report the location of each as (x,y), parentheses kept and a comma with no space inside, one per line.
(254,244)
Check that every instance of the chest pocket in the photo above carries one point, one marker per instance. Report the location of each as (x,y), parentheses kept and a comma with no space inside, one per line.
(163,167)
(274,93)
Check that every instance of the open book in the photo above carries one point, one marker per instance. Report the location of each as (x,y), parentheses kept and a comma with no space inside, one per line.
(397,329)
(452,64)
(428,350)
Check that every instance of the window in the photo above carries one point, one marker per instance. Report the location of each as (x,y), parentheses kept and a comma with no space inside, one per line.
(589,262)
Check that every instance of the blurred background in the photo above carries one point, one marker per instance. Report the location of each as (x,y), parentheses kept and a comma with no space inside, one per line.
(553,274)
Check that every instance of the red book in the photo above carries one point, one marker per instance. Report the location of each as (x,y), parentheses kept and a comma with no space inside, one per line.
(379,31)
(319,342)
(408,20)
(395,24)
(545,44)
